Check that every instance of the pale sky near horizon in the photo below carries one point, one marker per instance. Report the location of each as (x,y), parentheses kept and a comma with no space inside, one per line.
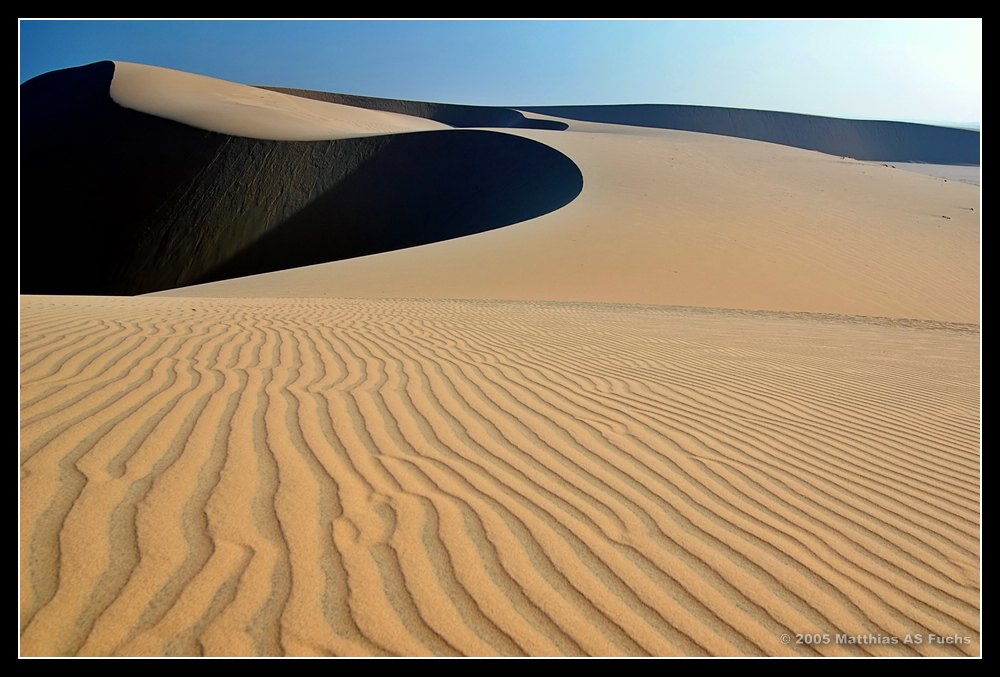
(920,70)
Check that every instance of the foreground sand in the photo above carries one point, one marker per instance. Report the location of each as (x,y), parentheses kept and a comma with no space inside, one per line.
(323,476)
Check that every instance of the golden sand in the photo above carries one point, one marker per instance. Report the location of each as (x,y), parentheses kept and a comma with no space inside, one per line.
(335,477)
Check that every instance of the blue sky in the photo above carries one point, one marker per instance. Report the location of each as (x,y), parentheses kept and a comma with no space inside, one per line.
(905,70)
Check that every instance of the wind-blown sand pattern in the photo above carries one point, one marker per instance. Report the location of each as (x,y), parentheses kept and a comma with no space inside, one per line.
(334,477)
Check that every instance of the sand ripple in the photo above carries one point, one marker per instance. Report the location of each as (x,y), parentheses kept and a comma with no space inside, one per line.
(329,477)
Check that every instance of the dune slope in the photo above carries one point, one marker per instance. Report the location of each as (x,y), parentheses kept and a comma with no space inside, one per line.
(325,477)
(679,218)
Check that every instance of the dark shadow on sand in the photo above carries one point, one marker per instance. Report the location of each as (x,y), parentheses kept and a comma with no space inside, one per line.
(417,189)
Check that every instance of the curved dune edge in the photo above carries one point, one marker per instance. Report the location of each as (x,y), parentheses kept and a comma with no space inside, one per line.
(241,110)
(414,189)
(454,115)
(324,477)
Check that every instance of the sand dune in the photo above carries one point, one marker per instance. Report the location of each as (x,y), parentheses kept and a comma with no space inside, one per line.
(667,217)
(175,205)
(859,139)
(315,476)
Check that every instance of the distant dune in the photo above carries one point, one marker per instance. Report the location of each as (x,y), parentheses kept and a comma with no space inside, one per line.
(858,139)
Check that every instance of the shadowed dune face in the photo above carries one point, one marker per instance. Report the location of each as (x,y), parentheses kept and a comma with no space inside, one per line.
(859,139)
(146,204)
(455,115)
(416,189)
